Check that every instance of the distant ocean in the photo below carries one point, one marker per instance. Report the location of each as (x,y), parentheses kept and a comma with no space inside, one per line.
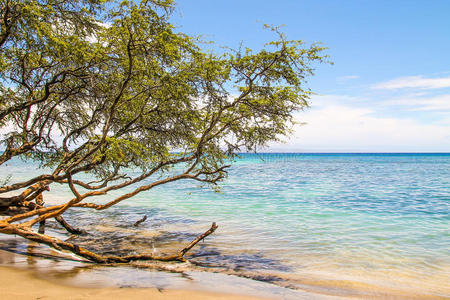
(371,225)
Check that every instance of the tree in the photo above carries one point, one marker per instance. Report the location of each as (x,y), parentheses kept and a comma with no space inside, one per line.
(104,87)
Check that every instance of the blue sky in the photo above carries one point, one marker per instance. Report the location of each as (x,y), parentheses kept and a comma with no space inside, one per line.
(389,87)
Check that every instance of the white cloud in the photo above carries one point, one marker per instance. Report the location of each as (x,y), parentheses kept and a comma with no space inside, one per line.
(434,103)
(414,82)
(345,128)
(418,121)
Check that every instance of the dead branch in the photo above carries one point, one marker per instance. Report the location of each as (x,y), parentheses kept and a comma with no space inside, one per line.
(41,227)
(69,227)
(140,221)
(58,244)
(199,238)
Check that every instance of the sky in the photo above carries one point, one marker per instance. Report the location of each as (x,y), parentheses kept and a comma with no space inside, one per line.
(389,87)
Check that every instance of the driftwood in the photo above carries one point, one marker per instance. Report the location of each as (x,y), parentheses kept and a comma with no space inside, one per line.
(140,221)
(58,244)
(199,238)
(41,214)
(68,227)
(41,227)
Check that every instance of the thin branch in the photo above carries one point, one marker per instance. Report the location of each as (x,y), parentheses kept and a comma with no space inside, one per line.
(68,227)
(199,238)
(136,224)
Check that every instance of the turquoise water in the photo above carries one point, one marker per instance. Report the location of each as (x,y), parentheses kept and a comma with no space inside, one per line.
(341,223)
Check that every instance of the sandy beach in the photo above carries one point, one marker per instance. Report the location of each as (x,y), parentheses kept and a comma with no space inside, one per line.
(21,284)
(42,273)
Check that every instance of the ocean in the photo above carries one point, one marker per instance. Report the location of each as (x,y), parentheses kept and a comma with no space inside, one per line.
(364,225)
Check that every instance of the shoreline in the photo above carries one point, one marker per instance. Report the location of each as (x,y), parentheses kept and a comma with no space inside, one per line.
(23,284)
(31,277)
(17,283)
(31,268)
(48,277)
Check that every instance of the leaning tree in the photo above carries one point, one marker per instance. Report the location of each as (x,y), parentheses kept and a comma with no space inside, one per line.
(104,87)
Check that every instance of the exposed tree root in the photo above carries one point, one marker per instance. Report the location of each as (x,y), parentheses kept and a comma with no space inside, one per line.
(94,257)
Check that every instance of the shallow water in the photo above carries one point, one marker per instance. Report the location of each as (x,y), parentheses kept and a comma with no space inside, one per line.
(368,225)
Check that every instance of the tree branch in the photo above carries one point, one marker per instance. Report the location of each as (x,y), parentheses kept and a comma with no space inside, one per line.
(92,256)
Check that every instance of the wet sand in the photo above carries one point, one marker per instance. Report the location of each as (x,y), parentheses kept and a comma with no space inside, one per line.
(21,284)
(34,272)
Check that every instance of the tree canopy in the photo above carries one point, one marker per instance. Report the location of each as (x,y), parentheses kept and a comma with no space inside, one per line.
(105,87)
